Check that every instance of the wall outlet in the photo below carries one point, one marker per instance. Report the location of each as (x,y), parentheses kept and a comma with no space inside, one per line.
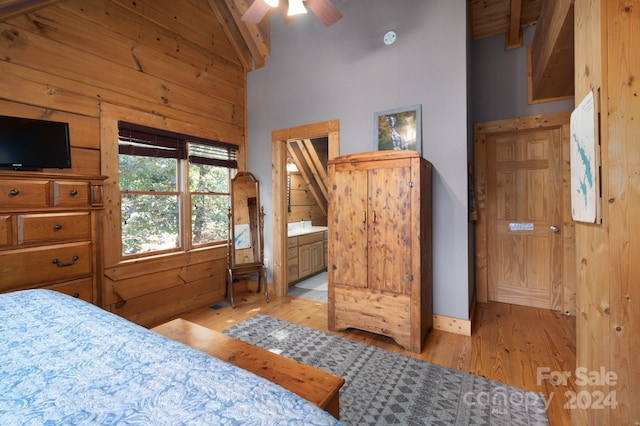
(266,262)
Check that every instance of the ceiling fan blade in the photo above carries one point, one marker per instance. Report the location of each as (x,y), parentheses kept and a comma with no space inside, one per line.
(325,11)
(256,12)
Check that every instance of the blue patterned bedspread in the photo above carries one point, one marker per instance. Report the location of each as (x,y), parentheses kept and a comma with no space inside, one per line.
(64,361)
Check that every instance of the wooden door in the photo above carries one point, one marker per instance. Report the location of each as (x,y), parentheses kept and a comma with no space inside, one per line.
(390,227)
(348,226)
(524,217)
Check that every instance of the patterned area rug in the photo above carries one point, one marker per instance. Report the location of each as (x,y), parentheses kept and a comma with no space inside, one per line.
(387,388)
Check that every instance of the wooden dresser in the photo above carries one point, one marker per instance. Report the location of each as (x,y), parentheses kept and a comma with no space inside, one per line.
(49,227)
(380,264)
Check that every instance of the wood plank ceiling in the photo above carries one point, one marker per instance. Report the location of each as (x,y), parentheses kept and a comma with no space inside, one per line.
(551,54)
(494,17)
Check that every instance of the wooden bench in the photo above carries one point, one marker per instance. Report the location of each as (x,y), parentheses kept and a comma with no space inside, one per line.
(314,385)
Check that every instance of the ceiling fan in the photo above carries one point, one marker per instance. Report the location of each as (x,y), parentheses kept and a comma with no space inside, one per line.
(323,9)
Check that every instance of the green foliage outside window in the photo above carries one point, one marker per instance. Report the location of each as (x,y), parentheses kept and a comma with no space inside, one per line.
(148,173)
(150,204)
(209,186)
(150,223)
(151,200)
(209,218)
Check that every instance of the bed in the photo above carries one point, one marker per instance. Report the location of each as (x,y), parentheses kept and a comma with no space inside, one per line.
(65,361)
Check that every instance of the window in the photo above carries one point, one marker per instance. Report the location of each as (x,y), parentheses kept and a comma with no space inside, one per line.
(174,190)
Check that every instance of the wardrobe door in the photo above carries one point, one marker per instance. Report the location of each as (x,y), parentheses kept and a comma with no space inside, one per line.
(390,228)
(348,233)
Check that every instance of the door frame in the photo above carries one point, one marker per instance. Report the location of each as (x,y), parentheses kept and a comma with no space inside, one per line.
(279,139)
(566,300)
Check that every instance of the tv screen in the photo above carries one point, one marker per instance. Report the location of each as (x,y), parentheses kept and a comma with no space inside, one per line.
(27,144)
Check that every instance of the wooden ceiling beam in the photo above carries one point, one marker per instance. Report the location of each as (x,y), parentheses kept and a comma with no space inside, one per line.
(12,8)
(493,17)
(312,159)
(295,151)
(513,39)
(255,35)
(552,53)
(232,32)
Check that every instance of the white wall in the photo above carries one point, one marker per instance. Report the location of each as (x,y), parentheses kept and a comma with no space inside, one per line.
(346,72)
(499,81)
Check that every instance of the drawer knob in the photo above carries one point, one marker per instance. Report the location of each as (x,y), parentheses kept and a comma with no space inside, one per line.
(73,192)
(76,295)
(13,192)
(57,227)
(74,259)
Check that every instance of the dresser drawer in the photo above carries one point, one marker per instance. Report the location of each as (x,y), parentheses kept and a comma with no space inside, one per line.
(20,193)
(82,289)
(42,265)
(5,231)
(71,194)
(53,227)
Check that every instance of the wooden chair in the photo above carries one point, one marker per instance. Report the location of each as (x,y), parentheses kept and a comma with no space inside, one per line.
(245,253)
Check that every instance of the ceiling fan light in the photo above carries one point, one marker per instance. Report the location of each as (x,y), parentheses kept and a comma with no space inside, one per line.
(296,8)
(272,3)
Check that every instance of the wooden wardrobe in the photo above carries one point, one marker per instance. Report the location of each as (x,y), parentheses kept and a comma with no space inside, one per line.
(380,263)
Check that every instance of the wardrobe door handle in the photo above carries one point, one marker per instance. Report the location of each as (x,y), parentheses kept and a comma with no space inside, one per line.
(364,216)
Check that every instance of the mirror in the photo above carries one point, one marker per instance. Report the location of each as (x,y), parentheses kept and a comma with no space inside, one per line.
(245,254)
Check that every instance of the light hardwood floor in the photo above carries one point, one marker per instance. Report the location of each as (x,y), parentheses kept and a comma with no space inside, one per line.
(509,343)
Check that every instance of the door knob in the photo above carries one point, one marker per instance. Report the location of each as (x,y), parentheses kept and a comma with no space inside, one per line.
(554,229)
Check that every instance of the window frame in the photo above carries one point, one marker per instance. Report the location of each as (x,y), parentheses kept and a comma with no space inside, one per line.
(138,140)
(188,214)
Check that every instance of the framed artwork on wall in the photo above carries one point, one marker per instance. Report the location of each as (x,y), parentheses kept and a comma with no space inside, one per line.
(399,129)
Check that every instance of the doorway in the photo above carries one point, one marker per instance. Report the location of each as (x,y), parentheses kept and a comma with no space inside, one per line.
(279,153)
(525,250)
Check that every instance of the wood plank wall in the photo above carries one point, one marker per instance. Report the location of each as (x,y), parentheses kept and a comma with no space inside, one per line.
(161,63)
(608,294)
(303,205)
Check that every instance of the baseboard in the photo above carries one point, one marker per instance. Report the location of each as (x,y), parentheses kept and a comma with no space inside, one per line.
(455,325)
(452,325)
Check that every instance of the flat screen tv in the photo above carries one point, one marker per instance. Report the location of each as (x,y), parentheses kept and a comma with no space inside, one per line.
(29,144)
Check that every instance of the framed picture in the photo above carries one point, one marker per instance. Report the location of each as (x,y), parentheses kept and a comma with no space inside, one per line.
(399,129)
